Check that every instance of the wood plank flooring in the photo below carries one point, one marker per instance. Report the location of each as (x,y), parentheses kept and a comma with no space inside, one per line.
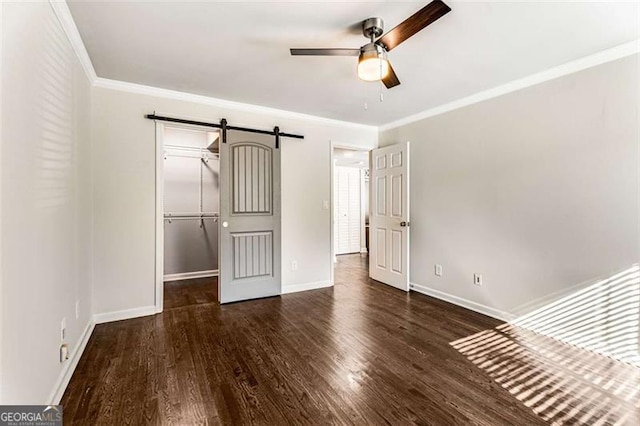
(197,291)
(357,353)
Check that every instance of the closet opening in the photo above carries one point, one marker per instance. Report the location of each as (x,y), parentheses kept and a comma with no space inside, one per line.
(188,206)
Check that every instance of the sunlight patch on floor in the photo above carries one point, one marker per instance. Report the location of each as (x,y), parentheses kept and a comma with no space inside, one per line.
(574,360)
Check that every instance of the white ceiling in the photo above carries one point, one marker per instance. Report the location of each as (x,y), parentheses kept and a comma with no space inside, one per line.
(239,51)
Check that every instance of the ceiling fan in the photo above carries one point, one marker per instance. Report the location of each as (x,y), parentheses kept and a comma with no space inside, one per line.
(373,64)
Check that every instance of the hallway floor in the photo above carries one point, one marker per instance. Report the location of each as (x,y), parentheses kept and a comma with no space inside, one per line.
(356,353)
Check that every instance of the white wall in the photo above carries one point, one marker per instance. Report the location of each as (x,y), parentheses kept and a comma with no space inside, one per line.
(124,167)
(537,189)
(1,233)
(46,201)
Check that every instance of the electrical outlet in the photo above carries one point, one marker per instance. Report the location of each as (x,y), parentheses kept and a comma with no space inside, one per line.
(63,327)
(477,279)
(294,265)
(77,309)
(64,352)
(438,270)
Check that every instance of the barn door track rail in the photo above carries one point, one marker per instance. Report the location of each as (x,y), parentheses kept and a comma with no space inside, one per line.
(224,126)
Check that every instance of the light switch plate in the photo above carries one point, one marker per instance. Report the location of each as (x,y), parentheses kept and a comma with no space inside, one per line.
(477,279)
(438,270)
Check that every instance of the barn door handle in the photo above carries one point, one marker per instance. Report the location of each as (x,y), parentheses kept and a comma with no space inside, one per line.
(403,224)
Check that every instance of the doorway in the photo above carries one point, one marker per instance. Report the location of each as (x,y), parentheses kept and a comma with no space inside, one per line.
(188,198)
(384,185)
(237,210)
(350,201)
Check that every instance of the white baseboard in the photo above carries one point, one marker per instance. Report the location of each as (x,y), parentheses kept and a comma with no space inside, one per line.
(68,369)
(363,250)
(306,286)
(76,352)
(468,304)
(142,311)
(190,275)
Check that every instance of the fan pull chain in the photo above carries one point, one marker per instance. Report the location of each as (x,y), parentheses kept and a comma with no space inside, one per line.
(381,93)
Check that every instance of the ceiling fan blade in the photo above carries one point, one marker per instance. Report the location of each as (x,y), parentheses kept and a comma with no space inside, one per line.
(325,52)
(391,80)
(414,24)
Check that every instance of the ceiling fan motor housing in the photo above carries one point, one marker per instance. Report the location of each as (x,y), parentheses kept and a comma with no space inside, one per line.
(372,28)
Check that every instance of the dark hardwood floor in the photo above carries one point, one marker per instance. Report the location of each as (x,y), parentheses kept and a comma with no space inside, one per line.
(357,353)
(197,291)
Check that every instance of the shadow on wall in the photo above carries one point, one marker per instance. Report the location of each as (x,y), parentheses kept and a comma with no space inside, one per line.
(577,359)
(55,156)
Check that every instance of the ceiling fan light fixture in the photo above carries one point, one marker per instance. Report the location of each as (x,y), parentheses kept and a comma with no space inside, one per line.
(372,63)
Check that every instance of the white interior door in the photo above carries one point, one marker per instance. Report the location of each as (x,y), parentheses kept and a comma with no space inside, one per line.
(347,196)
(249,217)
(389,216)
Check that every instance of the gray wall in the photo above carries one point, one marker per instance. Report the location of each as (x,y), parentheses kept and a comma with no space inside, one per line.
(537,189)
(187,246)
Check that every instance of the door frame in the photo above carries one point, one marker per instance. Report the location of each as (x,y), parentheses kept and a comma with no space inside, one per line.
(332,204)
(159,206)
(159,219)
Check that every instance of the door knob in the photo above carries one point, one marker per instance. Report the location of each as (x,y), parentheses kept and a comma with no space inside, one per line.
(225,224)
(403,224)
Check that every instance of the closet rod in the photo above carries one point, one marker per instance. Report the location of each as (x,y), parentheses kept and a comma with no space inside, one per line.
(189,148)
(196,215)
(170,217)
(219,126)
(191,218)
(197,157)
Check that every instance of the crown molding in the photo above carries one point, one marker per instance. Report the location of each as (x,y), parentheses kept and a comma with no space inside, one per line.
(141,89)
(62,12)
(618,52)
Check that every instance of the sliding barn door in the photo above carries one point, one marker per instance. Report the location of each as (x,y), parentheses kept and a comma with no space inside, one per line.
(249,217)
(389,216)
